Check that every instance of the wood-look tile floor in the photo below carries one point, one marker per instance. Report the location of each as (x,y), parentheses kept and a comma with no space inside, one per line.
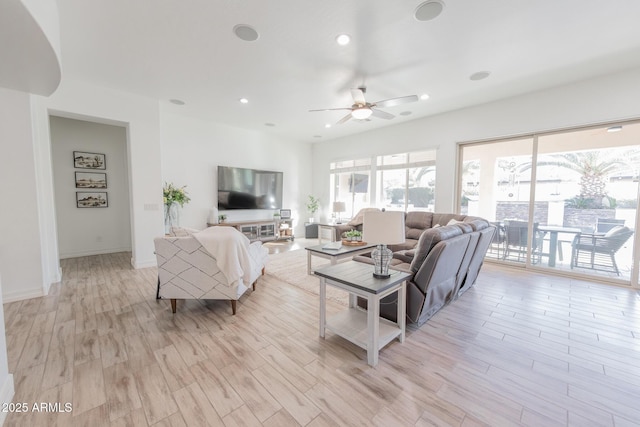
(517,349)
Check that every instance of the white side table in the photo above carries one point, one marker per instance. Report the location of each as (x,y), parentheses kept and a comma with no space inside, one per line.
(363,328)
(326,232)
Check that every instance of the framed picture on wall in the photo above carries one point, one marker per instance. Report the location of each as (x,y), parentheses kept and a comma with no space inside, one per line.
(84,160)
(88,199)
(91,180)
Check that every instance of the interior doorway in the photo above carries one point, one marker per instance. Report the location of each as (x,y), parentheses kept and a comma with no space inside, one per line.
(91,187)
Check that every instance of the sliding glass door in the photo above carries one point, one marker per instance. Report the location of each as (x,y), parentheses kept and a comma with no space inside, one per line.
(565,201)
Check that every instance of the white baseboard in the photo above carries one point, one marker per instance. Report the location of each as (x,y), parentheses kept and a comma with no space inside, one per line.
(6,395)
(21,295)
(57,277)
(143,264)
(94,252)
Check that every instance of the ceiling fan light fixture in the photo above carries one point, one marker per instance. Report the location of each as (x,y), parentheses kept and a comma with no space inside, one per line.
(361,113)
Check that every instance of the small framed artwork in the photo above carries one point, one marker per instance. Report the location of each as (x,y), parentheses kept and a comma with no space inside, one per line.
(91,180)
(84,160)
(88,199)
(285,213)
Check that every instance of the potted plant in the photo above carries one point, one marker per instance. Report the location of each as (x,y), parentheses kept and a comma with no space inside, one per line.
(173,197)
(313,204)
(353,236)
(222,218)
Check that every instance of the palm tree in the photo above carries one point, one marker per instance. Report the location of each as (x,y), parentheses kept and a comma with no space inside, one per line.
(594,168)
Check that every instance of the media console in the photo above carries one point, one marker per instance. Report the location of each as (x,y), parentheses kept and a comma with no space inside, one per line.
(262,230)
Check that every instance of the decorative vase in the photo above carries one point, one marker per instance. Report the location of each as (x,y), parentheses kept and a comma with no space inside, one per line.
(171,216)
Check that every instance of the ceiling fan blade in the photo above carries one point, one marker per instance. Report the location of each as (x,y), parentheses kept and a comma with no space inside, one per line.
(358,96)
(344,119)
(381,114)
(330,109)
(396,101)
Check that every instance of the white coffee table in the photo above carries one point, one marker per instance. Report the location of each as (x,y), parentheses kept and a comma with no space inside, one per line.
(363,328)
(335,255)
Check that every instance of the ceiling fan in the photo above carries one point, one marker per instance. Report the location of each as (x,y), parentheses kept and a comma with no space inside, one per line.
(362,110)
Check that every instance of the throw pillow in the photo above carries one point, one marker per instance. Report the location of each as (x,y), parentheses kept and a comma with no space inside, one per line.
(454,221)
(359,218)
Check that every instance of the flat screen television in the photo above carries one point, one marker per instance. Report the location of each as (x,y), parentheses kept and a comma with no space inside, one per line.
(240,188)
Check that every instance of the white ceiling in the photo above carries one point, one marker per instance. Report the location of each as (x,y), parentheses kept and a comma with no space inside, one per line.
(172,49)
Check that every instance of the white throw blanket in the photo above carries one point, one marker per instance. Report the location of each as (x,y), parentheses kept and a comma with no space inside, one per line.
(230,248)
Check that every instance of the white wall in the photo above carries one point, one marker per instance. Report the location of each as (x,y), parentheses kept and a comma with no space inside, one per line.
(20,244)
(193,148)
(90,231)
(604,99)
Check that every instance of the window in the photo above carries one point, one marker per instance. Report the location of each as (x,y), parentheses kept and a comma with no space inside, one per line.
(403,182)
(350,183)
(407,181)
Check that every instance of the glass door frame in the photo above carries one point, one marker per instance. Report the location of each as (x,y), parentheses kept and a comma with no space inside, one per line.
(634,279)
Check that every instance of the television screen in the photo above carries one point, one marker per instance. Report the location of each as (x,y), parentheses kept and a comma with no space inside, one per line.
(240,188)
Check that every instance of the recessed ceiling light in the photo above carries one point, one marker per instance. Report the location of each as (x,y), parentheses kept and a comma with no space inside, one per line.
(424,96)
(328,125)
(480,75)
(405,113)
(269,124)
(176,101)
(428,10)
(614,129)
(343,39)
(244,101)
(245,32)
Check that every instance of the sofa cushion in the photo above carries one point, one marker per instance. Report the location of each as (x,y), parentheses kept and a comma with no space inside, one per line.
(429,239)
(443,218)
(415,223)
(476,223)
(405,255)
(408,244)
(466,228)
(618,229)
(359,218)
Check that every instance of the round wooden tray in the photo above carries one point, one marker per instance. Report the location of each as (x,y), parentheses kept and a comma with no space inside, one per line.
(351,243)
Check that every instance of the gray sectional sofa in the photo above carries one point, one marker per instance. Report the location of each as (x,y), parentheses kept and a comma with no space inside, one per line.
(444,254)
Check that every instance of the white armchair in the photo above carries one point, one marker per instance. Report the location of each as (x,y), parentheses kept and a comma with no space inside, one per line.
(223,268)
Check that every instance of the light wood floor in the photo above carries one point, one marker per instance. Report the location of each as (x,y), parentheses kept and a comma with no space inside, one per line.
(516,349)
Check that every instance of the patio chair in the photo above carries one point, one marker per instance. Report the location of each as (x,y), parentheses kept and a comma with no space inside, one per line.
(598,252)
(516,233)
(498,240)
